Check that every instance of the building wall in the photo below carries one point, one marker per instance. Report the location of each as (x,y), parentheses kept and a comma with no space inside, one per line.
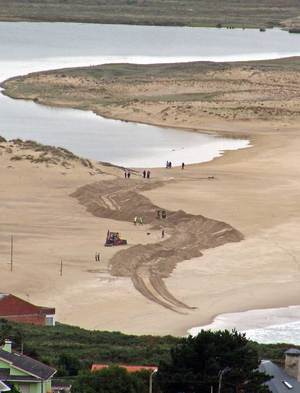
(34,319)
(48,386)
(29,387)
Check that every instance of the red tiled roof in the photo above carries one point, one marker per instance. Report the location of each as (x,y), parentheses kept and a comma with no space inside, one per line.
(13,305)
(130,369)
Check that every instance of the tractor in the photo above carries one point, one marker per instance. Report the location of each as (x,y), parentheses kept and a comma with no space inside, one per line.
(113,239)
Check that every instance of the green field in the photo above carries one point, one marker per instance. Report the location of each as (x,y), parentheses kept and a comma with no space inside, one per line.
(237,13)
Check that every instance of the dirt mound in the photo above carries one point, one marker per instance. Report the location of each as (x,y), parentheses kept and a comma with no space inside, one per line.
(148,265)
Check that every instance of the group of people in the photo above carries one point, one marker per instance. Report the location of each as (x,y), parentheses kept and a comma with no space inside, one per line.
(169,165)
(138,220)
(146,174)
(161,214)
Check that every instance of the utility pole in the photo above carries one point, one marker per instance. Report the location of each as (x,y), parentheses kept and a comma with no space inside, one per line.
(150,379)
(221,373)
(11,252)
(61,267)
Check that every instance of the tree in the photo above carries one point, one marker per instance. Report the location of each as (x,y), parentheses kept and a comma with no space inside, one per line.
(110,380)
(199,363)
(68,365)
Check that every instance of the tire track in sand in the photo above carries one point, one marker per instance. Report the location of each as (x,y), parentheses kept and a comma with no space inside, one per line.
(148,265)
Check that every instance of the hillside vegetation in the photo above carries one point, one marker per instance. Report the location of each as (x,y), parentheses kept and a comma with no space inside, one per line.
(52,344)
(237,13)
(70,348)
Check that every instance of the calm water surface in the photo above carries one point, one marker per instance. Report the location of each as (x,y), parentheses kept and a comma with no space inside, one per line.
(27,47)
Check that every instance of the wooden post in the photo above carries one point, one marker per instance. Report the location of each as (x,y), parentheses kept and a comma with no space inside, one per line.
(61,267)
(11,252)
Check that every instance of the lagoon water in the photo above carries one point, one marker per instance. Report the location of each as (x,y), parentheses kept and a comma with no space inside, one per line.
(122,143)
(28,47)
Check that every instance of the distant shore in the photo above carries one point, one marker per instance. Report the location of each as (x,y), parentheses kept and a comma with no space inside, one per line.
(207,13)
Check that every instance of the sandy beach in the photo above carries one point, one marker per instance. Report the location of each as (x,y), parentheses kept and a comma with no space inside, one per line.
(251,194)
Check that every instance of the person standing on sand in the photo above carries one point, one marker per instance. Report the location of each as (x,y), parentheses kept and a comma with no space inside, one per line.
(182,165)
(162,233)
(125,174)
(128,174)
(144,174)
(167,164)
(148,174)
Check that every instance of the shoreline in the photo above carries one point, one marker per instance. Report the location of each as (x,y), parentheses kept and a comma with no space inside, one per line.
(269,325)
(137,23)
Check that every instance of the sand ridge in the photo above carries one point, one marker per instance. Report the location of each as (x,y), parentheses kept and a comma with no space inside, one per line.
(192,95)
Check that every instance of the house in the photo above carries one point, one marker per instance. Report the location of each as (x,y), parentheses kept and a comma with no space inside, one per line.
(27,374)
(130,369)
(284,379)
(16,309)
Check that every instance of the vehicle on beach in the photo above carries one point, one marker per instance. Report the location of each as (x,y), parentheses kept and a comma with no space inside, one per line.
(113,239)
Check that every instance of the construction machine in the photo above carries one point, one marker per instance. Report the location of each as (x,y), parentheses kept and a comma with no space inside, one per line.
(113,239)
